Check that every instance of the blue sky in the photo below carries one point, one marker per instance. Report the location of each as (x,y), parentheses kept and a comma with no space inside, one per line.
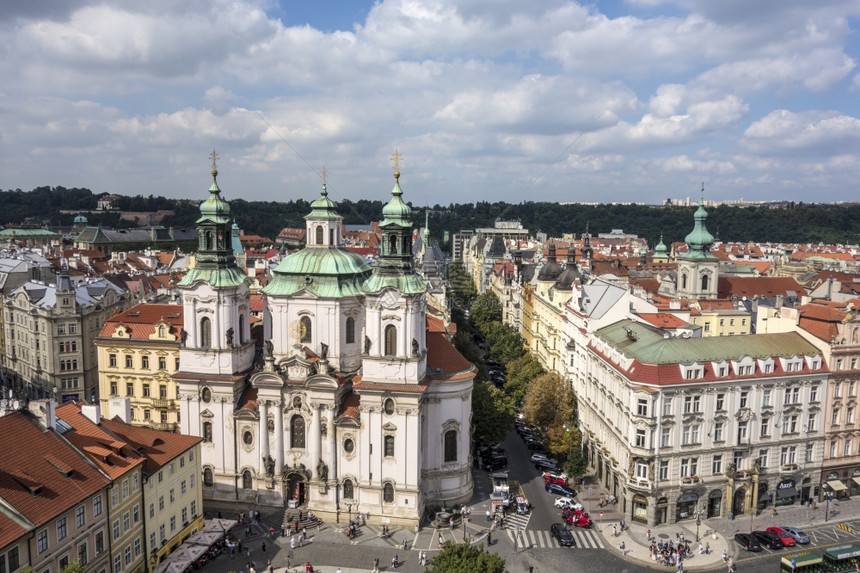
(635,100)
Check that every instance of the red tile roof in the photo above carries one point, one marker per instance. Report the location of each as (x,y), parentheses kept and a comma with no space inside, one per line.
(350,405)
(31,483)
(140,320)
(663,320)
(158,447)
(766,287)
(444,360)
(114,457)
(10,531)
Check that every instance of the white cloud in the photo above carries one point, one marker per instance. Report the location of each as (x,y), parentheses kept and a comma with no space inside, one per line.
(813,133)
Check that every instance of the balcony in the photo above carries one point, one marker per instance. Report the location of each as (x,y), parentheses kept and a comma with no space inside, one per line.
(162,403)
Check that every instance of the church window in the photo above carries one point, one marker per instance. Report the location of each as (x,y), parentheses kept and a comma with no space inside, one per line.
(390,340)
(306,329)
(207,477)
(388,493)
(350,330)
(348,446)
(241,329)
(684,281)
(205,332)
(161,331)
(451,446)
(247,482)
(319,232)
(248,438)
(392,245)
(347,489)
(297,432)
(206,395)
(207,432)
(389,446)
(388,406)
(705,279)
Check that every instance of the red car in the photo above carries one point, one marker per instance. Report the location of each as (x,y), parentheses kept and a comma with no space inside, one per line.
(549,478)
(578,518)
(787,540)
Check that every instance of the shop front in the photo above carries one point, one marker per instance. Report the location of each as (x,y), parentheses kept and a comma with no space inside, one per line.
(686,506)
(786,492)
(715,503)
(640,508)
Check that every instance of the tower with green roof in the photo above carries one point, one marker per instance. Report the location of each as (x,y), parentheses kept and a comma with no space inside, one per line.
(697,268)
(216,298)
(314,299)
(395,341)
(661,254)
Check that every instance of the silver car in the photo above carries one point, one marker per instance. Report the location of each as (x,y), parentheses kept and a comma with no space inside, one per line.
(796,534)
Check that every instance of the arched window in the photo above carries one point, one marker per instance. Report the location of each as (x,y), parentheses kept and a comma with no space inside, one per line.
(241,329)
(451,446)
(205,332)
(297,432)
(392,245)
(207,431)
(331,236)
(208,479)
(388,493)
(705,282)
(350,329)
(390,340)
(307,329)
(683,281)
(247,482)
(347,489)
(319,232)
(161,331)
(389,446)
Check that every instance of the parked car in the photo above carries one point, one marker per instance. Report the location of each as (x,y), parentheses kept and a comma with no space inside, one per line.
(787,540)
(542,456)
(567,503)
(559,490)
(768,539)
(534,445)
(747,541)
(543,466)
(577,517)
(554,479)
(495,464)
(798,535)
(565,539)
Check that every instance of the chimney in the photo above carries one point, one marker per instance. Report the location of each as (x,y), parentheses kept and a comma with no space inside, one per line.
(45,410)
(92,412)
(120,407)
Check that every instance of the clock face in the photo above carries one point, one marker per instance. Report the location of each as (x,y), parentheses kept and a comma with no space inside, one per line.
(297,330)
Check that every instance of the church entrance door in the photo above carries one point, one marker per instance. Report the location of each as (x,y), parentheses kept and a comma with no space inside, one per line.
(296,489)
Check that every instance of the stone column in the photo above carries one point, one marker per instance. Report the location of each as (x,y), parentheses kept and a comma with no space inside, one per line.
(264,435)
(315,438)
(331,456)
(279,438)
(754,493)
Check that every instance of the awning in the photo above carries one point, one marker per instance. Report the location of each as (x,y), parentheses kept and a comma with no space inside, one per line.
(836,485)
(787,492)
(856,480)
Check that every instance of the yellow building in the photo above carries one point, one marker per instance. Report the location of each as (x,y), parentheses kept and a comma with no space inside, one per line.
(720,318)
(172,492)
(138,353)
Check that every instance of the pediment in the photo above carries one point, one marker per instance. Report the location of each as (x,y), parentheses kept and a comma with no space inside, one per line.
(266,379)
(207,414)
(321,381)
(389,427)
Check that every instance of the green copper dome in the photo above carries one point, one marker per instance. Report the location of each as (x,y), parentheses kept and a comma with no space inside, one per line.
(327,273)
(699,240)
(323,208)
(214,208)
(396,212)
(660,248)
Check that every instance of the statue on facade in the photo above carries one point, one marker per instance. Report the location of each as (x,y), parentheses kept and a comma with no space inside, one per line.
(323,351)
(367,344)
(270,465)
(322,470)
(731,470)
(757,466)
(230,336)
(183,336)
(414,347)
(270,348)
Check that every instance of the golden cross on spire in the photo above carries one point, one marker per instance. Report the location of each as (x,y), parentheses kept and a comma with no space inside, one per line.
(396,157)
(214,157)
(324,174)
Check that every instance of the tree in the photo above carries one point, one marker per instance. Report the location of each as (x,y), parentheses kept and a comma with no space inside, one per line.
(492,412)
(465,558)
(73,567)
(549,402)
(520,374)
(486,310)
(503,342)
(575,465)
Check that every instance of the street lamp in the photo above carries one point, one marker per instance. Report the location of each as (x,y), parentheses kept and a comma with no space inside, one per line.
(828,497)
(698,513)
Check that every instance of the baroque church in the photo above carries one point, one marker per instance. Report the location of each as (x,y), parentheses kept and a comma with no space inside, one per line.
(359,404)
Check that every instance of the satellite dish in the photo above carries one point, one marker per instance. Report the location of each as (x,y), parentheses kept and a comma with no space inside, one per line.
(16,405)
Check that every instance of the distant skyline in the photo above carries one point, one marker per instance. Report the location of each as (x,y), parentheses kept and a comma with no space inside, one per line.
(503,100)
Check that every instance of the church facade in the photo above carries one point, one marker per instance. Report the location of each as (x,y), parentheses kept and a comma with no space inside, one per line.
(360,403)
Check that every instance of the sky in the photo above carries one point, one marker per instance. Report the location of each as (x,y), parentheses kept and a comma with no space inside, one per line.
(502,100)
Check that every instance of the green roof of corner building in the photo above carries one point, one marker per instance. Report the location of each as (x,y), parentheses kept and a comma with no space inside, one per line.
(217,277)
(648,345)
(327,272)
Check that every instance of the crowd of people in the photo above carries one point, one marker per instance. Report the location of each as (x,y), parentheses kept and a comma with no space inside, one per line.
(670,553)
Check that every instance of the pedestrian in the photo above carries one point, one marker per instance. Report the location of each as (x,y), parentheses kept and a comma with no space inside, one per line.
(282,530)
(272,531)
(701,548)
(300,515)
(622,525)
(773,511)
(441,541)
(239,546)
(623,548)
(731,564)
(263,547)
(247,553)
(515,545)
(339,570)
(725,556)
(269,567)
(488,515)
(292,542)
(404,545)
(614,530)
(680,566)
(707,548)
(649,534)
(297,525)
(376,565)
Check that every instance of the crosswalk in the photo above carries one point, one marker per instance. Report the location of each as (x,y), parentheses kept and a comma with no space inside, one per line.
(516,522)
(583,538)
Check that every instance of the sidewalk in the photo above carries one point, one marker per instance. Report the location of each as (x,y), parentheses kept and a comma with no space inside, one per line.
(717,532)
